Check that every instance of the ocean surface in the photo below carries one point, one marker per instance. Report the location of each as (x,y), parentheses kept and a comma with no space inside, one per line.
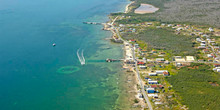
(34,75)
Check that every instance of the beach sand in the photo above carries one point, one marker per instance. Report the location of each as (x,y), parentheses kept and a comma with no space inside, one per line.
(127,7)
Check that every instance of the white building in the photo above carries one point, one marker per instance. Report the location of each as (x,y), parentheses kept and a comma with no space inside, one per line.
(152,74)
(160,72)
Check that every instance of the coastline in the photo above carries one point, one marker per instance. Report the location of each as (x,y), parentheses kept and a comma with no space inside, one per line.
(128,84)
(127,7)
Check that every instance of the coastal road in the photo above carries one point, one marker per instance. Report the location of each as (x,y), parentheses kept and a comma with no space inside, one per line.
(136,67)
(140,81)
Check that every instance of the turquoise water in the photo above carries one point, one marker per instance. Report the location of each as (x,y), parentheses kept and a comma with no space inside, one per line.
(34,75)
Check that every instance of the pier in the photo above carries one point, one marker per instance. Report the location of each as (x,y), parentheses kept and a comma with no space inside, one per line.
(114,60)
(94,23)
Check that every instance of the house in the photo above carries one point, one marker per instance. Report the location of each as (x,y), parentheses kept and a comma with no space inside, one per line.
(154,51)
(169,25)
(206,50)
(160,71)
(190,58)
(142,67)
(150,65)
(179,29)
(152,74)
(178,64)
(150,90)
(166,73)
(179,59)
(136,45)
(141,63)
(166,62)
(129,62)
(152,82)
(217,33)
(209,55)
(152,95)
(216,65)
(149,23)
(140,95)
(202,44)
(153,86)
(144,51)
(210,60)
(132,40)
(161,86)
(158,103)
(211,29)
(201,60)
(198,39)
(201,47)
(160,59)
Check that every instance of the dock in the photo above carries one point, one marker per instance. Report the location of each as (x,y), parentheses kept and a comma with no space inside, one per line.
(94,23)
(114,60)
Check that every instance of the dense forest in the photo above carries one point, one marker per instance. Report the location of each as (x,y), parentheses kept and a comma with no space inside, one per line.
(206,12)
(198,87)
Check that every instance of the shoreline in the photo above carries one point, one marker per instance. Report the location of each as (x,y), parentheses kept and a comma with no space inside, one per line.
(127,7)
(129,91)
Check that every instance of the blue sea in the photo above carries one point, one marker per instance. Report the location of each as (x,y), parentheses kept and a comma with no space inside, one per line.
(34,75)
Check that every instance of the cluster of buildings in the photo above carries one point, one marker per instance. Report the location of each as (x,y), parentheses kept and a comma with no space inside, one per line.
(153,87)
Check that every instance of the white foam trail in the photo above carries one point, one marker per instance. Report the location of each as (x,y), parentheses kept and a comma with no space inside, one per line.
(81,58)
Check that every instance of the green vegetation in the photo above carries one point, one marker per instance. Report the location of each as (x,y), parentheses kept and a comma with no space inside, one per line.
(197,86)
(177,11)
(164,39)
(136,101)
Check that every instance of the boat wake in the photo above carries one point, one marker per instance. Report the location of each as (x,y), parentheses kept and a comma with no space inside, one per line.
(81,57)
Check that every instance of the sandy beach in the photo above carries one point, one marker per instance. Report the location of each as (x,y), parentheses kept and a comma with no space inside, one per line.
(127,7)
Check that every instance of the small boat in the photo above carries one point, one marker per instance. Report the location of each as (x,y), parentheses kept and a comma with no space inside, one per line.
(54,44)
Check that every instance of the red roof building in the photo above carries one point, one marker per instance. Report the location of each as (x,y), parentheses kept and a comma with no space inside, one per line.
(166,74)
(132,40)
(140,63)
(154,86)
